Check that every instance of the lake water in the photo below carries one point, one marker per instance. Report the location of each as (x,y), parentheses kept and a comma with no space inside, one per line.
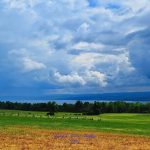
(71,98)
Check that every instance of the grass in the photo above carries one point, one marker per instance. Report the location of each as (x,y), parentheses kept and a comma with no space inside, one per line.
(138,124)
(28,130)
(40,139)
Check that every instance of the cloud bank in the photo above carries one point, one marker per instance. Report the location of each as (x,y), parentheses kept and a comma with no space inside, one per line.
(72,46)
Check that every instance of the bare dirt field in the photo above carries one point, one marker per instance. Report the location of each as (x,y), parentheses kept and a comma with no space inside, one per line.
(26,138)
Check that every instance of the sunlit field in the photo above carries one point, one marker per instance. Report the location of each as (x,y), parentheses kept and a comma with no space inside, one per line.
(34,130)
(19,137)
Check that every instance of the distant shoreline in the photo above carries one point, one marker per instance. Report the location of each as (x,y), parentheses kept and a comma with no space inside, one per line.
(72,101)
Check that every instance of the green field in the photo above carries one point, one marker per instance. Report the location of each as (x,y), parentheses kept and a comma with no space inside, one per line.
(138,124)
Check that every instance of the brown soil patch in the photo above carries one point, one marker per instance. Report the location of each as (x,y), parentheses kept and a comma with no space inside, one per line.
(24,138)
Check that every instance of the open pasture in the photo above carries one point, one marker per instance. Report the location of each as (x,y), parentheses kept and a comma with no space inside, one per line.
(26,138)
(34,130)
(138,124)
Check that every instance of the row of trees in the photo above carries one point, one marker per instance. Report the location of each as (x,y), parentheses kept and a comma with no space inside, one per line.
(80,107)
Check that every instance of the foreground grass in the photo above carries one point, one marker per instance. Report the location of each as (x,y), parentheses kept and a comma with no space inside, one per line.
(138,124)
(26,138)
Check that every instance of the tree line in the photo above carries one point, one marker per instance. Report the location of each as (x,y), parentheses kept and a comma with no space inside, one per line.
(86,108)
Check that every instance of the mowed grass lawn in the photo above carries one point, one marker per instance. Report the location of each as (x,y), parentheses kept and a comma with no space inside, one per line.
(138,124)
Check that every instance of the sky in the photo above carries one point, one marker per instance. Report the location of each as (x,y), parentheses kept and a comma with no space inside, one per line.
(74,46)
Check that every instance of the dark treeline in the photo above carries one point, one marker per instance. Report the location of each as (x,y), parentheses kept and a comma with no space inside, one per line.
(87,108)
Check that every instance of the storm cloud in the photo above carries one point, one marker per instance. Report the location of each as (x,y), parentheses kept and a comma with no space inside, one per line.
(72,46)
